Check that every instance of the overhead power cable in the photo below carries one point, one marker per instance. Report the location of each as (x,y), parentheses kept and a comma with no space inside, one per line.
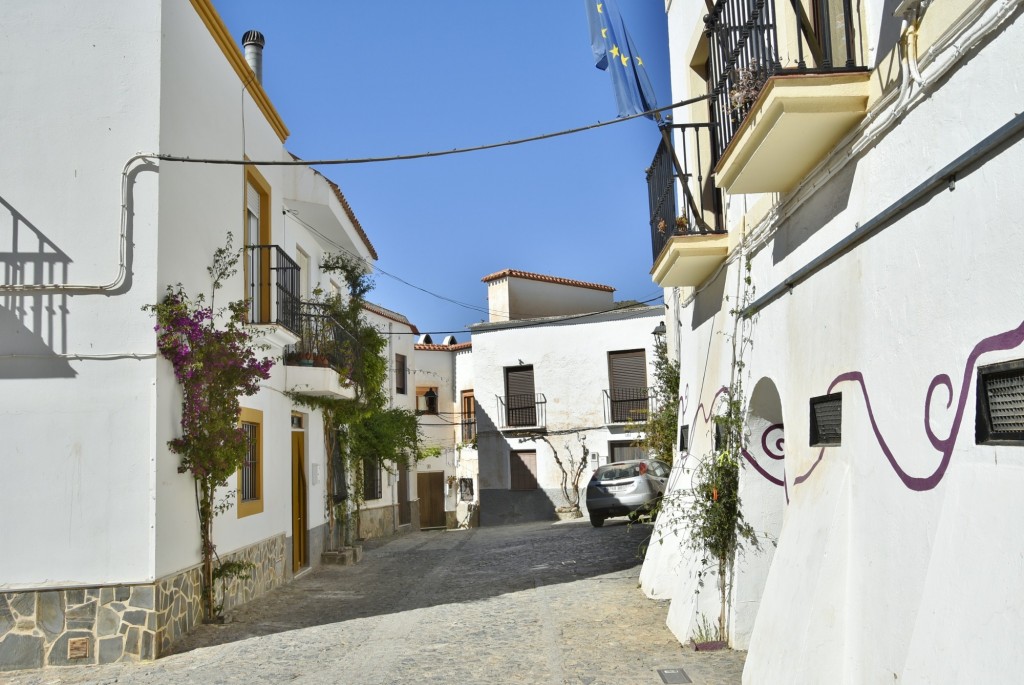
(421,155)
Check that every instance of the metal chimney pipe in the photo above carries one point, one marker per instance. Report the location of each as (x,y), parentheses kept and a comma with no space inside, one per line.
(253,42)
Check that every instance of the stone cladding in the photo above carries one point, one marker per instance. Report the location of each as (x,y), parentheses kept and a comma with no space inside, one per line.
(101,625)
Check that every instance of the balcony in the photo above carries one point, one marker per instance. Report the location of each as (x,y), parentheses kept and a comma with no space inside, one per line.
(272,291)
(521,412)
(626,405)
(688,242)
(320,363)
(774,121)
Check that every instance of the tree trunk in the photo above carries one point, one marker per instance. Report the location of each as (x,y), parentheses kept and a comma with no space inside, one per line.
(723,588)
(206,534)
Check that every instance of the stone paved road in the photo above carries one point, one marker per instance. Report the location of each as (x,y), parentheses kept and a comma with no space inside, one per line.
(552,604)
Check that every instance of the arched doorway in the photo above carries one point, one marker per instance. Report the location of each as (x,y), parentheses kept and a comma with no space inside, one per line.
(763,497)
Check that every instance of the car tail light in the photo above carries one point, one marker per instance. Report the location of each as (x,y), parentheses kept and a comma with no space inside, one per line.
(643,468)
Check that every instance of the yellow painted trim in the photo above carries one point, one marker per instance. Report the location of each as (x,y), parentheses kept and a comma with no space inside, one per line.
(252,175)
(252,506)
(215,25)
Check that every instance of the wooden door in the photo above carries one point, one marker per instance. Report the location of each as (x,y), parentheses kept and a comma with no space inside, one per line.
(431,491)
(299,547)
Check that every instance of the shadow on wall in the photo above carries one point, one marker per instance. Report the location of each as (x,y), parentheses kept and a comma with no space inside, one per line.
(499,503)
(33,325)
(828,203)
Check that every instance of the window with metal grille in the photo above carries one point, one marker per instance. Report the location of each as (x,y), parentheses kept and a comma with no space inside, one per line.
(400,386)
(521,398)
(249,497)
(826,420)
(250,489)
(627,379)
(999,419)
(523,469)
(468,416)
(371,479)
(466,489)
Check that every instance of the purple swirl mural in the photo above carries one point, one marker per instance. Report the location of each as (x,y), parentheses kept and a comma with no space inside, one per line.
(774,447)
(1002,341)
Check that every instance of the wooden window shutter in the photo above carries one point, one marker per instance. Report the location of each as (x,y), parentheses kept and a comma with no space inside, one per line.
(627,378)
(521,401)
(523,469)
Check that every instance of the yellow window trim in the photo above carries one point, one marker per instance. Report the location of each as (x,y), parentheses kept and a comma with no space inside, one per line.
(259,181)
(252,506)
(233,53)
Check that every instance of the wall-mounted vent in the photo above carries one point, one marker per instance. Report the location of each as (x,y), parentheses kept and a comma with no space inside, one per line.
(78,648)
(826,420)
(1000,400)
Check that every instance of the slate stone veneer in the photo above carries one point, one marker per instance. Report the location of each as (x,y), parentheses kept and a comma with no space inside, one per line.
(122,623)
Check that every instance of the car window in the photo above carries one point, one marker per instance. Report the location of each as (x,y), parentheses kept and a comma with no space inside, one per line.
(616,471)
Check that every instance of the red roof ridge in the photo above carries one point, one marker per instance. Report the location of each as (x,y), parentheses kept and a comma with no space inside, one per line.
(516,273)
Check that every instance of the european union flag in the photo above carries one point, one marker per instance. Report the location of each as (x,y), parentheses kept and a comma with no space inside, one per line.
(614,52)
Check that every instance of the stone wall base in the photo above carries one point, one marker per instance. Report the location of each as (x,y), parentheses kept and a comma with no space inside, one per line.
(104,624)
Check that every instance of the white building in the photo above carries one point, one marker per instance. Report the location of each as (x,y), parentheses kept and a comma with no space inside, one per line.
(873,195)
(99,546)
(559,370)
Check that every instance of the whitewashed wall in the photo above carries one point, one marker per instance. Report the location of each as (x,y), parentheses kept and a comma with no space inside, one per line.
(77,500)
(876,579)
(570,365)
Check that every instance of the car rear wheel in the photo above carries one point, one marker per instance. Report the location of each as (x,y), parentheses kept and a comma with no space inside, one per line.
(596,521)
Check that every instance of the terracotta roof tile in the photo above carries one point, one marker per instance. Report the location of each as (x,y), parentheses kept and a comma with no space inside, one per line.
(516,273)
(443,348)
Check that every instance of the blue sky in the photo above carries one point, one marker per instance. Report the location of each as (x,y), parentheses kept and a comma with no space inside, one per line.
(358,79)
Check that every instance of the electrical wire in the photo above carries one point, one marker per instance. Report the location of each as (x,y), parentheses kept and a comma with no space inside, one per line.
(423,155)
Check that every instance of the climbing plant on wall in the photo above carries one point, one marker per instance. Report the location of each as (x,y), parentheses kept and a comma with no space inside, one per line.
(363,429)
(717,527)
(215,362)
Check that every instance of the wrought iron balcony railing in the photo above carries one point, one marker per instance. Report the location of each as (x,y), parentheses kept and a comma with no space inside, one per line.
(700,209)
(743,51)
(522,411)
(272,286)
(322,340)
(627,405)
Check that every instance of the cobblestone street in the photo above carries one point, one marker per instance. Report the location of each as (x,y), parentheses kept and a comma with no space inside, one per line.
(531,603)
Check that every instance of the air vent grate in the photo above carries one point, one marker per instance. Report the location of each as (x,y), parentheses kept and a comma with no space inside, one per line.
(1000,391)
(827,419)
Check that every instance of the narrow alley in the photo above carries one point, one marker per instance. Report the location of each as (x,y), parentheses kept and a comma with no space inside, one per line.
(531,603)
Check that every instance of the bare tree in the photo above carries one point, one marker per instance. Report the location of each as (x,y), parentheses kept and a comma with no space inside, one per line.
(571,467)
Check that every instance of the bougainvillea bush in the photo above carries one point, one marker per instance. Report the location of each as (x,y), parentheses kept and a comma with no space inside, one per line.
(216,362)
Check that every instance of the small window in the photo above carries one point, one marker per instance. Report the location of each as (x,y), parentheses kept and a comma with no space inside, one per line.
(468,416)
(400,372)
(372,486)
(684,438)
(523,469)
(826,420)
(999,419)
(426,400)
(466,489)
(250,475)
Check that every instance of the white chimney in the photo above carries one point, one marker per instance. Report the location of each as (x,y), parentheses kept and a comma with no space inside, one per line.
(253,42)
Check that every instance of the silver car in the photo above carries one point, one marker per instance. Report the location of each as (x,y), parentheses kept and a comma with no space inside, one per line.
(625,487)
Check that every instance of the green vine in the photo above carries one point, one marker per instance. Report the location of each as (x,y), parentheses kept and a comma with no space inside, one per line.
(711,512)
(659,430)
(363,429)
